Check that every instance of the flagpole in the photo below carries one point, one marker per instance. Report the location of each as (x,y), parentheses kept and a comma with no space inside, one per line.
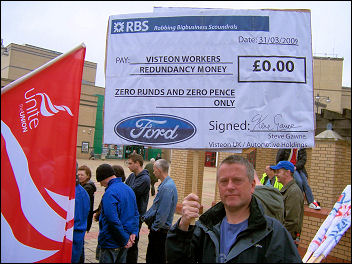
(30,74)
(307,256)
(195,176)
(316,259)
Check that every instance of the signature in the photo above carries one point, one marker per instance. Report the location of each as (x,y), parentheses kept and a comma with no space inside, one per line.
(262,122)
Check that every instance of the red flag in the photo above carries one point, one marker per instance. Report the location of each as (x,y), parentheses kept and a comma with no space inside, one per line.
(39,116)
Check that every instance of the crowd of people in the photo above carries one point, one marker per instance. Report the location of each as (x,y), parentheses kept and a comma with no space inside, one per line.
(257,220)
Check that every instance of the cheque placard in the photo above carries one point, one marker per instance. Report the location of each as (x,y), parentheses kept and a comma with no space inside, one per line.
(210,79)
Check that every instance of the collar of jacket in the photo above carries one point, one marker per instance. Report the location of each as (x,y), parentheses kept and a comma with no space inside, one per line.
(287,186)
(216,213)
(90,183)
(143,172)
(112,181)
(165,181)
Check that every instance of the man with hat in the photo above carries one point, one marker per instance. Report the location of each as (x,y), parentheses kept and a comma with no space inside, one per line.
(293,199)
(119,218)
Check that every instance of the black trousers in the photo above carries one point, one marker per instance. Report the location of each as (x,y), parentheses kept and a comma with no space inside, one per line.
(152,189)
(156,247)
(132,253)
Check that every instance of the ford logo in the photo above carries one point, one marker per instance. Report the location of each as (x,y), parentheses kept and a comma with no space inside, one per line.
(153,129)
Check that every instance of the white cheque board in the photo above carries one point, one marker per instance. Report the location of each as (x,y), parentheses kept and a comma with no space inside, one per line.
(210,79)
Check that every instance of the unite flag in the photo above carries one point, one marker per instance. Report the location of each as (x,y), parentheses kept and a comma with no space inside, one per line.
(332,229)
(39,116)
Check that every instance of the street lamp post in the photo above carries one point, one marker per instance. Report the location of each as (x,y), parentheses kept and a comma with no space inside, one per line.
(320,104)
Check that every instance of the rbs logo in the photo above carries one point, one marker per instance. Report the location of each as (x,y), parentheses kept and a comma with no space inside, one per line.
(120,26)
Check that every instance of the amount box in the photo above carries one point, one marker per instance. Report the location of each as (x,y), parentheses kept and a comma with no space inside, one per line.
(282,69)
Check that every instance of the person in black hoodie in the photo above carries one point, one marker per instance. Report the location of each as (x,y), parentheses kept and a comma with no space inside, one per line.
(84,175)
(139,181)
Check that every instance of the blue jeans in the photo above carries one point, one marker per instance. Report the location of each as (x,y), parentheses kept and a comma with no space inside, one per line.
(302,182)
(112,255)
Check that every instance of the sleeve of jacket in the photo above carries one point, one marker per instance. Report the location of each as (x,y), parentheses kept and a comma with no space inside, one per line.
(164,209)
(81,209)
(282,248)
(141,185)
(109,204)
(262,180)
(301,159)
(292,213)
(181,245)
(90,189)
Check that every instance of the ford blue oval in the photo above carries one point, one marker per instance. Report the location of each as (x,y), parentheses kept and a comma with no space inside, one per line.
(155,129)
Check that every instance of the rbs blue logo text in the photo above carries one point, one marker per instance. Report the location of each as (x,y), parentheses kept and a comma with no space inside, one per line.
(125,26)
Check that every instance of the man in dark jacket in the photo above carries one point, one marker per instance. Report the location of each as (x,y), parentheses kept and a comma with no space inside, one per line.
(235,229)
(119,218)
(298,158)
(153,179)
(293,199)
(139,181)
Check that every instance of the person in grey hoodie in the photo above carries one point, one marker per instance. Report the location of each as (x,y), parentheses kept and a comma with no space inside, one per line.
(270,198)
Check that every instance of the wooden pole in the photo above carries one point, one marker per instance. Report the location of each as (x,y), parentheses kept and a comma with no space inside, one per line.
(307,256)
(195,176)
(195,171)
(319,259)
(316,259)
(311,259)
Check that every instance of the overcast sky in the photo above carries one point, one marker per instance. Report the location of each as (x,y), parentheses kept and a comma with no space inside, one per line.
(61,26)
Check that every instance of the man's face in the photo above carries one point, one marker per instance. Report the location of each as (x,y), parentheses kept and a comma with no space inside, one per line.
(82,176)
(281,175)
(105,182)
(133,166)
(156,171)
(269,172)
(234,186)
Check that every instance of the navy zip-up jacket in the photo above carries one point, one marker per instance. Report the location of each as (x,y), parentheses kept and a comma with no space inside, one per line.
(140,184)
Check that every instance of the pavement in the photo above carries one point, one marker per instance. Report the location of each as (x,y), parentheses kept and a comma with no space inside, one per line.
(91,238)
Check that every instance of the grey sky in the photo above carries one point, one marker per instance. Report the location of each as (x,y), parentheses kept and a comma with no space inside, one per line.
(61,26)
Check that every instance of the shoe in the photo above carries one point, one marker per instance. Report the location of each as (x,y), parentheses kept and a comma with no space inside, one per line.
(314,205)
